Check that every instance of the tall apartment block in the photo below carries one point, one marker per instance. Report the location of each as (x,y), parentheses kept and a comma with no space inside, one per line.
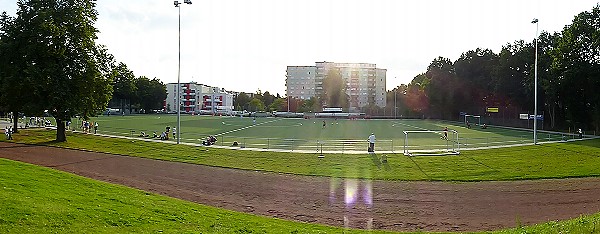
(199,98)
(365,83)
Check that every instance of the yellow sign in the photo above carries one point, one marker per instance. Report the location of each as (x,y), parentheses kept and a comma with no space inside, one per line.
(492,109)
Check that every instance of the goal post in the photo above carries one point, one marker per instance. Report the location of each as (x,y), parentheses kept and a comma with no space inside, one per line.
(431,142)
(475,119)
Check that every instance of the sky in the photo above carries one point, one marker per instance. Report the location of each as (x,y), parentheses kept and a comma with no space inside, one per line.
(246,45)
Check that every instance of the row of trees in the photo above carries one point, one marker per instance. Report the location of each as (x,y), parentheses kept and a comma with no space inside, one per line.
(568,80)
(260,101)
(141,92)
(50,62)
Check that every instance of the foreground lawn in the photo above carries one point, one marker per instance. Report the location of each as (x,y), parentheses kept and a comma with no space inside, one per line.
(40,200)
(560,160)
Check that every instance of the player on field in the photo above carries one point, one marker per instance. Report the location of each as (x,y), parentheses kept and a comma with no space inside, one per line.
(445,137)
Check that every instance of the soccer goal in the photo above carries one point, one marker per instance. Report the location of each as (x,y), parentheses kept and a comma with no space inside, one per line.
(431,142)
(475,119)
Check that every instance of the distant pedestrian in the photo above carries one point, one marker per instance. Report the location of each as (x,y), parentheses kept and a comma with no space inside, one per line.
(10,132)
(95,127)
(324,124)
(371,140)
(445,136)
(254,120)
(580,133)
(174,132)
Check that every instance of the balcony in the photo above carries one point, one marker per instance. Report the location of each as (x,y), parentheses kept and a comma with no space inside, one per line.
(210,100)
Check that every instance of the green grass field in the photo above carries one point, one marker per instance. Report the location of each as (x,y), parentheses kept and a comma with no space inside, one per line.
(559,160)
(302,134)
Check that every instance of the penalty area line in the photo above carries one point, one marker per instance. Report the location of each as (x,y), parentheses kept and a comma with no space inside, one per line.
(247,127)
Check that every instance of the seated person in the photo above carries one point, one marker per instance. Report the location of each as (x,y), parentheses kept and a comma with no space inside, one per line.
(206,142)
(484,126)
(163,136)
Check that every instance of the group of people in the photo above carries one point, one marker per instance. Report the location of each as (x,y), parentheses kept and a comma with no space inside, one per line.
(163,135)
(86,126)
(8,131)
(210,140)
(38,121)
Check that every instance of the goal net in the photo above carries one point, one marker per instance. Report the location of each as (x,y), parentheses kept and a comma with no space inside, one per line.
(431,142)
(473,119)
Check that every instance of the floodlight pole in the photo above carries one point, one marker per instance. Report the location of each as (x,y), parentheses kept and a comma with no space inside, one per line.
(177,3)
(535,21)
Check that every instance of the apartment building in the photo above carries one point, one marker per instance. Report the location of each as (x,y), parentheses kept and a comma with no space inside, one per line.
(365,83)
(199,98)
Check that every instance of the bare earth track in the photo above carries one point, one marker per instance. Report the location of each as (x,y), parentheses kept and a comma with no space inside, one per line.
(399,206)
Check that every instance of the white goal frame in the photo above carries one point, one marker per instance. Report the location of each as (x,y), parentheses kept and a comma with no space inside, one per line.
(478,117)
(452,144)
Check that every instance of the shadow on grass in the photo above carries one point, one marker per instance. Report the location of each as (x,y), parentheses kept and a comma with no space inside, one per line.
(481,163)
(420,169)
(568,149)
(14,145)
(591,143)
(375,160)
(380,162)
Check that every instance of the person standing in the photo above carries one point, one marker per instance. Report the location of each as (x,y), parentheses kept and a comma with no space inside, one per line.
(445,137)
(174,133)
(10,132)
(371,140)
(95,127)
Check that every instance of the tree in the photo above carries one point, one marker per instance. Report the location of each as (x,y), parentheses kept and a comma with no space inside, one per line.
(278,105)
(150,93)
(577,65)
(267,98)
(55,56)
(123,85)
(257,105)
(475,70)
(440,89)
(241,101)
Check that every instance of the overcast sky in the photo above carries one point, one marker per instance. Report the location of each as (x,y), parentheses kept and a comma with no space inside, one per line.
(245,45)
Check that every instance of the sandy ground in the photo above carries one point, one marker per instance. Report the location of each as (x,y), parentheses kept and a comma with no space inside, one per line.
(399,206)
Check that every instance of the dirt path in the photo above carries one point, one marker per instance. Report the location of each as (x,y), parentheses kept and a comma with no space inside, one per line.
(400,206)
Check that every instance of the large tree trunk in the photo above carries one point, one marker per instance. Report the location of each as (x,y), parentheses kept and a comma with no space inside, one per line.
(61,135)
(15,122)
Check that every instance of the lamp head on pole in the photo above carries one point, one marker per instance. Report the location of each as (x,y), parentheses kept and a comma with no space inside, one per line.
(534,21)
(176,3)
(187,1)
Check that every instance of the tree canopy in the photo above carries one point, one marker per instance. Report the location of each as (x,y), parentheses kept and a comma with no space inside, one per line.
(568,83)
(53,62)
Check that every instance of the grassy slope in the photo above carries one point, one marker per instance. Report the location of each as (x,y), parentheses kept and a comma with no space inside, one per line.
(41,200)
(561,160)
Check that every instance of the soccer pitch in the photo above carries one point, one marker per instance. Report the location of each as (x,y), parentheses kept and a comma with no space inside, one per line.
(311,135)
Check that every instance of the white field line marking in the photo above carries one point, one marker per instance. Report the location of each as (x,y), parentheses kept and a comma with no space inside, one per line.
(244,128)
